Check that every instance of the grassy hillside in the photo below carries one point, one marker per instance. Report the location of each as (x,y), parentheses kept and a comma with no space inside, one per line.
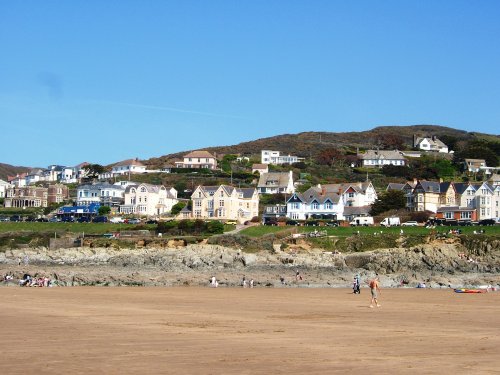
(309,144)
(10,170)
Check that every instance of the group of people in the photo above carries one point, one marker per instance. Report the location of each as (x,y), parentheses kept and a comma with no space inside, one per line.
(374,289)
(27,280)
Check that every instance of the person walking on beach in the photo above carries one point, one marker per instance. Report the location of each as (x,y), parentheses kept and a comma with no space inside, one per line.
(356,285)
(375,290)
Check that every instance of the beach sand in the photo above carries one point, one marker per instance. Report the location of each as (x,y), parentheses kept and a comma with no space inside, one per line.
(127,330)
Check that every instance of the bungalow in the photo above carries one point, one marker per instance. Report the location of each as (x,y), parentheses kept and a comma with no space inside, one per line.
(379,158)
(456,213)
(129,166)
(260,168)
(198,159)
(276,183)
(275,157)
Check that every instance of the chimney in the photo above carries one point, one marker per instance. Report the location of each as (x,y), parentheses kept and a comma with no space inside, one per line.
(415,181)
(323,191)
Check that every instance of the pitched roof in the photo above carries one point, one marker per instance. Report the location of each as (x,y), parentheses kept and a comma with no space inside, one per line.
(260,166)
(395,186)
(381,154)
(129,162)
(274,179)
(199,154)
(319,195)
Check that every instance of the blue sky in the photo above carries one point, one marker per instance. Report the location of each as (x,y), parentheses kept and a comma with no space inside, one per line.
(104,81)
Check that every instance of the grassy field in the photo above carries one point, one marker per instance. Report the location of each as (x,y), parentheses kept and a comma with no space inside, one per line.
(88,228)
(258,231)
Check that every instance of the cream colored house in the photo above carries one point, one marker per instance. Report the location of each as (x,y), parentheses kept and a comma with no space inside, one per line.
(148,200)
(4,185)
(198,159)
(225,203)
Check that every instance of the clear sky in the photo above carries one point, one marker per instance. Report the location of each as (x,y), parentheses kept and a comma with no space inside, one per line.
(103,81)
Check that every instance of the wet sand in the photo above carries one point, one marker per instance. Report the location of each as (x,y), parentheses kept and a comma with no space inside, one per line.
(126,330)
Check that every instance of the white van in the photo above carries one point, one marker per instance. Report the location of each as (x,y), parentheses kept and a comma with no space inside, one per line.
(390,222)
(361,221)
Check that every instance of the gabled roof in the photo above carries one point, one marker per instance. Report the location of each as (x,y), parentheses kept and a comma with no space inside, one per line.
(274,179)
(395,186)
(381,154)
(429,186)
(149,187)
(199,154)
(359,187)
(260,166)
(358,211)
(433,141)
(461,187)
(317,194)
(128,162)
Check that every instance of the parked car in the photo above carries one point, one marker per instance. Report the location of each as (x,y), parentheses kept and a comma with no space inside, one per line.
(409,223)
(100,219)
(465,223)
(487,222)
(152,221)
(332,224)
(133,221)
(4,218)
(292,222)
(83,219)
(54,219)
(231,222)
(116,219)
(68,219)
(16,218)
(42,220)
(271,222)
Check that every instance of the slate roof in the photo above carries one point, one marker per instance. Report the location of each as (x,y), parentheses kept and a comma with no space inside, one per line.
(381,154)
(199,154)
(274,179)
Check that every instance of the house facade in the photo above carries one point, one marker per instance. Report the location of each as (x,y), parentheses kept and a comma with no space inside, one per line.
(315,203)
(276,182)
(474,165)
(148,200)
(103,193)
(225,203)
(4,185)
(130,166)
(260,168)
(354,194)
(198,159)
(276,158)
(379,158)
(35,196)
(430,144)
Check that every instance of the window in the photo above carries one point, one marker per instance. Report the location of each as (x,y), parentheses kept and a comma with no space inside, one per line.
(221,203)
(465,215)
(197,203)
(328,206)
(315,206)
(448,215)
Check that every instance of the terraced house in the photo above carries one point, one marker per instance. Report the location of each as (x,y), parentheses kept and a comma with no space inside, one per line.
(35,196)
(225,203)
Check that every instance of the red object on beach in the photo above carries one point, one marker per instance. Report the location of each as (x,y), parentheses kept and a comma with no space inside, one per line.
(463,290)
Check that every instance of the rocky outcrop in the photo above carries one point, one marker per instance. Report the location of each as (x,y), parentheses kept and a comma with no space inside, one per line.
(439,263)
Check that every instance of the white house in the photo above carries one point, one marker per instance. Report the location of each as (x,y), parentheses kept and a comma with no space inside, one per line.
(4,185)
(103,193)
(474,165)
(129,166)
(198,159)
(379,158)
(315,203)
(148,200)
(355,194)
(275,157)
(485,200)
(276,182)
(71,175)
(18,180)
(430,144)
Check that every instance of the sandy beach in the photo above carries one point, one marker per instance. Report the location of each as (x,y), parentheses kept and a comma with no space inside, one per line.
(127,330)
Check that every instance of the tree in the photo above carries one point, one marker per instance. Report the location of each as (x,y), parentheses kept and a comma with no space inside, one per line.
(330,156)
(176,208)
(391,142)
(389,200)
(93,170)
(104,210)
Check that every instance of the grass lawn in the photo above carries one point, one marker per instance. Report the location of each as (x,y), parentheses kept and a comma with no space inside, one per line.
(261,230)
(88,228)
